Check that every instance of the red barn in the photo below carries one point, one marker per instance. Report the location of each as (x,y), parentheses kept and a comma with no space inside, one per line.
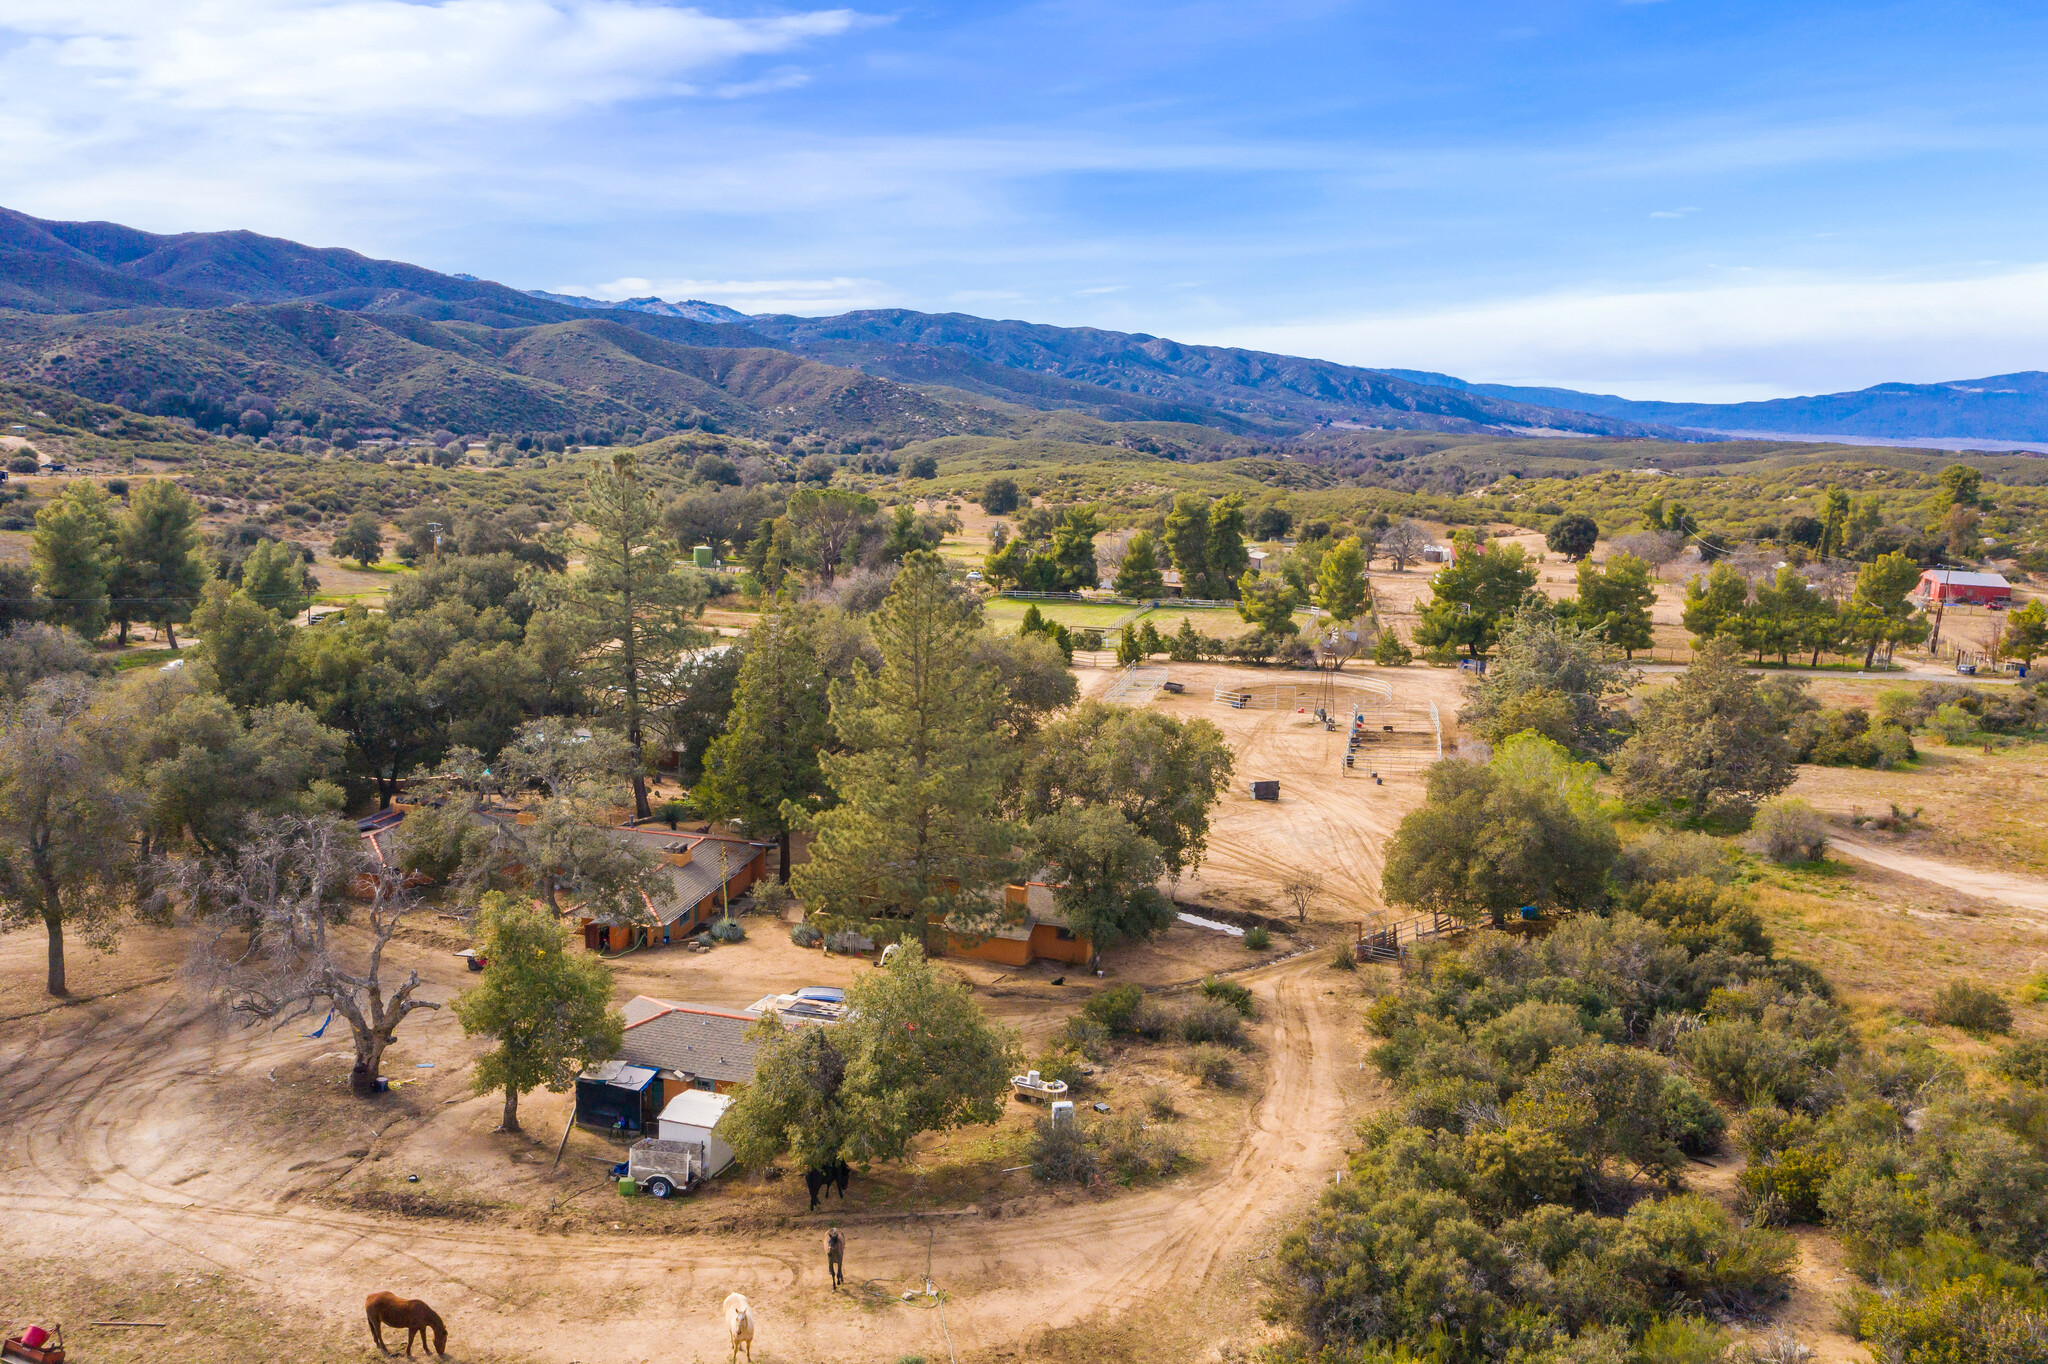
(1953,584)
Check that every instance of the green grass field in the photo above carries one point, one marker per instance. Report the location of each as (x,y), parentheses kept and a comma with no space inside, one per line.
(1215,622)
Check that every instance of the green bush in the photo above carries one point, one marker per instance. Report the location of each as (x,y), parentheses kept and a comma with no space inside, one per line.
(1061,1063)
(728,930)
(1972,1008)
(1690,1118)
(1213,1066)
(1115,1008)
(1975,1320)
(1233,994)
(1257,939)
(803,935)
(1739,1061)
(2026,1062)
(2035,988)
(1344,958)
(1787,1186)
(1525,1036)
(1159,1105)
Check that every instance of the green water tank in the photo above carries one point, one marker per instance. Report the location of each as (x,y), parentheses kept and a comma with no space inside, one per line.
(703,557)
(629,1188)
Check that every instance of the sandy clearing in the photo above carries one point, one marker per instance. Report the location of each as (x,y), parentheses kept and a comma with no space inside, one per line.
(1334,825)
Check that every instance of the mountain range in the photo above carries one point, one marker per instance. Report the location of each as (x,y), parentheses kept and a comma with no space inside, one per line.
(2004,407)
(202,324)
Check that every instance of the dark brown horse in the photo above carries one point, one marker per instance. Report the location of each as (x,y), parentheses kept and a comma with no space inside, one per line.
(388,1309)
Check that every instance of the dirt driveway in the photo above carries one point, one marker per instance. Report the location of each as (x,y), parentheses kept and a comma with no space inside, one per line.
(134,1143)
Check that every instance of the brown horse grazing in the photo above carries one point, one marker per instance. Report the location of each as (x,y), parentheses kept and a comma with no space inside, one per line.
(835,1257)
(388,1309)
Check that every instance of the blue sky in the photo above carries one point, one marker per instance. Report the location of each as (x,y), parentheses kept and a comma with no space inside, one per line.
(1679,199)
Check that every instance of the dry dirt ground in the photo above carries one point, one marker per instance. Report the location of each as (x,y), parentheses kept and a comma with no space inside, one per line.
(148,1139)
(1334,825)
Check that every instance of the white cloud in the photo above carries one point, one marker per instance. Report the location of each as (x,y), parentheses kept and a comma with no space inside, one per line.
(1704,343)
(456,58)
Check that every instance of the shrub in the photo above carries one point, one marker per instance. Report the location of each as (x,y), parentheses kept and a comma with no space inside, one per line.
(1061,1063)
(1115,1008)
(1084,1035)
(1389,652)
(1134,1151)
(1974,1320)
(1257,939)
(1788,829)
(1952,722)
(1060,1154)
(1159,1104)
(1213,1066)
(1741,1062)
(1662,856)
(2026,1062)
(1344,958)
(1233,994)
(803,935)
(728,930)
(1787,1186)
(1210,1020)
(1690,1118)
(1689,1245)
(1779,1347)
(1682,1340)
(1154,1021)
(1972,1008)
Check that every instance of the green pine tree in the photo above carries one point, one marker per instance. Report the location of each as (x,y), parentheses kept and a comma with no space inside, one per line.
(917,832)
(1340,580)
(159,542)
(763,771)
(635,605)
(1138,575)
(73,553)
(1187,543)
(1228,555)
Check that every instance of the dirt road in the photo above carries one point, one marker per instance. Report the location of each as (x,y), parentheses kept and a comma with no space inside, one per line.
(2021,892)
(131,1143)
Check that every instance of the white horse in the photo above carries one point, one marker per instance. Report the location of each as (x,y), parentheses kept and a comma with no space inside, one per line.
(739,1324)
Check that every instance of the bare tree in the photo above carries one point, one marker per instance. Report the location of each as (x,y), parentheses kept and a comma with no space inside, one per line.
(1302,890)
(1654,547)
(1402,543)
(281,949)
(569,846)
(1109,553)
